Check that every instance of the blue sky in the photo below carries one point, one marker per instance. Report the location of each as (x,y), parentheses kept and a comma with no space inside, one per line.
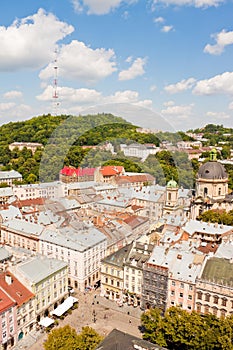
(150,61)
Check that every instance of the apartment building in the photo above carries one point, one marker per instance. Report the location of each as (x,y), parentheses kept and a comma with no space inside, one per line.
(24,300)
(8,321)
(46,278)
(20,233)
(81,246)
(214,288)
(8,177)
(112,274)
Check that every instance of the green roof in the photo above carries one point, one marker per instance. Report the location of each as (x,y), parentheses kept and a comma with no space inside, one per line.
(219,270)
(172,184)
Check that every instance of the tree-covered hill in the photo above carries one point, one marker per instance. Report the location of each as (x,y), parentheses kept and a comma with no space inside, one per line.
(63,137)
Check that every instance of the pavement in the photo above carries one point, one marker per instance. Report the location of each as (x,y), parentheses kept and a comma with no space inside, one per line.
(94,311)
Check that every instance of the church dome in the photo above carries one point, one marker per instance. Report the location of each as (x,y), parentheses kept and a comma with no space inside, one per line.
(212,170)
(172,184)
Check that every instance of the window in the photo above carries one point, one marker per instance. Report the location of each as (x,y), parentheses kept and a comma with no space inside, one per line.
(207,297)
(206,309)
(173,283)
(182,285)
(190,297)
(216,299)
(224,302)
(172,292)
(198,307)
(190,287)
(181,295)
(199,295)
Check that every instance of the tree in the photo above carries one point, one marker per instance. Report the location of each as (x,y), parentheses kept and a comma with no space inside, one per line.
(88,339)
(67,338)
(62,338)
(180,330)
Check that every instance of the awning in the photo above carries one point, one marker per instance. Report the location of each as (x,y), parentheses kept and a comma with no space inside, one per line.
(46,322)
(63,307)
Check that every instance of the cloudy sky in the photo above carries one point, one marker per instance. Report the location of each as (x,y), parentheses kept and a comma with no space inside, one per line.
(151,61)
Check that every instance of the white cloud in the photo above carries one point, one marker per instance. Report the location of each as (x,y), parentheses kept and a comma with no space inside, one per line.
(159,20)
(99,7)
(153,88)
(71,95)
(230,105)
(222,39)
(83,98)
(6,106)
(217,115)
(12,94)
(76,61)
(136,69)
(194,3)
(166,29)
(168,103)
(29,43)
(220,84)
(179,111)
(183,85)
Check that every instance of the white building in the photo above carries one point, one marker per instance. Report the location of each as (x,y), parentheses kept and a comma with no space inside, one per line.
(81,246)
(9,176)
(138,150)
(43,190)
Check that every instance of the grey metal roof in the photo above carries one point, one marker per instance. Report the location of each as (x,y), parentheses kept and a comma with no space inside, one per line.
(40,267)
(193,226)
(69,237)
(10,174)
(181,264)
(4,254)
(23,226)
(6,192)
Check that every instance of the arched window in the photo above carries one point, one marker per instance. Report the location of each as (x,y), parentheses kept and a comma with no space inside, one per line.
(169,196)
(219,191)
(205,191)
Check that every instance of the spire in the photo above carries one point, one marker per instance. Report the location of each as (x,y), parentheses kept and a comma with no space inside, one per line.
(213,155)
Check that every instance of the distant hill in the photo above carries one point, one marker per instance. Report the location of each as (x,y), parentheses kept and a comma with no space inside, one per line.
(39,129)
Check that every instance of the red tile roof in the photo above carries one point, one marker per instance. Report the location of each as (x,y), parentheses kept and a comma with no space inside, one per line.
(135,178)
(14,288)
(5,301)
(29,202)
(111,170)
(68,171)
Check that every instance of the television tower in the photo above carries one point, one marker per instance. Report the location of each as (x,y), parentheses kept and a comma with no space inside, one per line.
(55,86)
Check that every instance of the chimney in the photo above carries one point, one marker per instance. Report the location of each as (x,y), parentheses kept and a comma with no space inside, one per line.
(8,279)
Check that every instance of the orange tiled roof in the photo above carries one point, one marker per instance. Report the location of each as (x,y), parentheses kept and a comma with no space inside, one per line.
(111,170)
(5,301)
(15,289)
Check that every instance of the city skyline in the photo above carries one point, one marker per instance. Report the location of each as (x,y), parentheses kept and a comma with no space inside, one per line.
(170,61)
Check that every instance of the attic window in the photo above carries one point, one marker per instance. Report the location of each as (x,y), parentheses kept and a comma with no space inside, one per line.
(207,171)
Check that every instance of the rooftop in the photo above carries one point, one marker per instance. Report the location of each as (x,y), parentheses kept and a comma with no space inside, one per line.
(39,268)
(218,270)
(14,288)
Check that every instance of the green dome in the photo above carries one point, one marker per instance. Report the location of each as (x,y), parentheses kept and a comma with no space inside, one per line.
(172,184)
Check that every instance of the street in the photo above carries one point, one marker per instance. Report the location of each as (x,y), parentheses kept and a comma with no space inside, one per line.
(97,312)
